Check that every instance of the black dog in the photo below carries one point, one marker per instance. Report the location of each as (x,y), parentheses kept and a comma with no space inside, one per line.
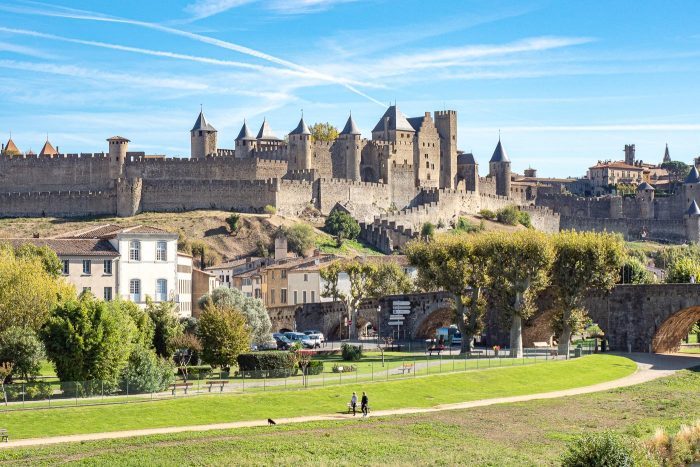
(270,422)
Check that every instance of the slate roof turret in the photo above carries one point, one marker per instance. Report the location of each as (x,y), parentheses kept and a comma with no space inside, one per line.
(301,128)
(245,134)
(350,127)
(395,119)
(693,209)
(499,154)
(265,132)
(201,124)
(644,186)
(693,176)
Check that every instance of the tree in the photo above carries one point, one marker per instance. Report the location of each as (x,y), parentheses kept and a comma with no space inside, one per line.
(323,132)
(270,210)
(199,251)
(342,225)
(518,271)
(390,279)
(224,334)
(634,272)
(682,270)
(49,259)
(360,276)
(583,262)
(5,372)
(187,347)
(88,341)
(253,309)
(28,292)
(22,347)
(677,170)
(145,329)
(458,265)
(145,372)
(427,231)
(300,238)
(508,215)
(166,326)
(232,222)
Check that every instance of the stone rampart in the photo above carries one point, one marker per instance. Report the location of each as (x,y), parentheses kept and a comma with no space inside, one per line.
(295,195)
(58,204)
(363,195)
(74,172)
(543,219)
(631,229)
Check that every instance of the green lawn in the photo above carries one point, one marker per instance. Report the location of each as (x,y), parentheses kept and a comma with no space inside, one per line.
(525,434)
(418,392)
(327,244)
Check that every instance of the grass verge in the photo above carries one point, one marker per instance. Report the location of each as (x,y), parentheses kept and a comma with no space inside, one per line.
(419,392)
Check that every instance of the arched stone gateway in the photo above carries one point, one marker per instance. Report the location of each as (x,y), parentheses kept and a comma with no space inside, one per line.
(439,318)
(669,335)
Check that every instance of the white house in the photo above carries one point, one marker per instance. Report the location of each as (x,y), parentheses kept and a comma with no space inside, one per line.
(184,285)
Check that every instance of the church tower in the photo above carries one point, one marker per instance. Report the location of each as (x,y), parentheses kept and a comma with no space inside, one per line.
(350,139)
(202,138)
(300,147)
(499,168)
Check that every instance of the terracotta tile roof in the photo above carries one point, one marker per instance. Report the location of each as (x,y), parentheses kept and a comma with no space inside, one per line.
(400,260)
(11,148)
(112,230)
(616,165)
(70,247)
(48,150)
(235,263)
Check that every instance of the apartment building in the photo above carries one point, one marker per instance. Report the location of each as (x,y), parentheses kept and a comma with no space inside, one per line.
(226,272)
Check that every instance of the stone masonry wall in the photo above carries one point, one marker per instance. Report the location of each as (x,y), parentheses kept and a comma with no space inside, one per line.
(58,204)
(631,229)
(74,172)
(367,196)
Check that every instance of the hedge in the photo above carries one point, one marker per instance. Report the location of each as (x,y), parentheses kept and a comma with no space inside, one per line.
(352,353)
(274,363)
(315,368)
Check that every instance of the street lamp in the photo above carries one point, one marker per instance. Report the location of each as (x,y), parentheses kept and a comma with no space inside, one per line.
(379,323)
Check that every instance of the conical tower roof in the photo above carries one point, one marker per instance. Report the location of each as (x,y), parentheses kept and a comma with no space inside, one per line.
(265,132)
(693,176)
(499,154)
(396,121)
(693,209)
(245,134)
(11,148)
(644,186)
(201,124)
(667,156)
(350,127)
(301,128)
(48,150)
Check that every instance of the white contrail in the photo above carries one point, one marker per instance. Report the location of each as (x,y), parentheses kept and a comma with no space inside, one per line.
(197,37)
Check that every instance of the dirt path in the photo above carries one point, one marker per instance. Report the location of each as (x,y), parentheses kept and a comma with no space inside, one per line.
(650,367)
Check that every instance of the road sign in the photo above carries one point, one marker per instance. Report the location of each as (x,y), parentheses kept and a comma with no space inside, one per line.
(401,312)
(397,317)
(402,302)
(395,323)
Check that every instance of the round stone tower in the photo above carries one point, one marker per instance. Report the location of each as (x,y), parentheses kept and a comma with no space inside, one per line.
(351,139)
(118,147)
(300,147)
(202,138)
(645,198)
(245,142)
(499,168)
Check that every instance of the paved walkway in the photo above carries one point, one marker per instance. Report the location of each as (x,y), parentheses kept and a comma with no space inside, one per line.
(650,367)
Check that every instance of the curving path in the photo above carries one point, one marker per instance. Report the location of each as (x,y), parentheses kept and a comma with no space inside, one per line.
(649,368)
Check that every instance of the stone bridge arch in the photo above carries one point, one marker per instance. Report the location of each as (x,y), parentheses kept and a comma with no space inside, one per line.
(669,335)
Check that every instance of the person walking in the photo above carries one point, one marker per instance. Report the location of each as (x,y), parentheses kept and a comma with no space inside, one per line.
(365,404)
(353,403)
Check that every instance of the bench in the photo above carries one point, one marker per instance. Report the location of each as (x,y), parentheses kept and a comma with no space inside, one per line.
(436,348)
(359,407)
(180,385)
(553,352)
(217,382)
(406,367)
(4,435)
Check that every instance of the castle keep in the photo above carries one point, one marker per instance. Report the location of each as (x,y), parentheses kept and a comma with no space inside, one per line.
(409,172)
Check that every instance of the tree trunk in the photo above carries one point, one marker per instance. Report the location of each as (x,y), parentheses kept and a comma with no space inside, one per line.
(565,337)
(516,337)
(466,345)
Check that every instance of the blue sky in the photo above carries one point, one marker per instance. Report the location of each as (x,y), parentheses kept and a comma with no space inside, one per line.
(566,82)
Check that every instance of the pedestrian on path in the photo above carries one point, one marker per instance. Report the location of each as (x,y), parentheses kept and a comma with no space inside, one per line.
(353,403)
(365,404)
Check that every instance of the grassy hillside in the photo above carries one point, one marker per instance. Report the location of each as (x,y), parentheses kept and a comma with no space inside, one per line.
(207,225)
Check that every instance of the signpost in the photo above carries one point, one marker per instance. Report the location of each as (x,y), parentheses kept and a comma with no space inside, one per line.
(399,310)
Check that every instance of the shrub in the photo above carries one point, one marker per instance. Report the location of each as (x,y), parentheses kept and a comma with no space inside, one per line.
(465,225)
(300,238)
(487,214)
(232,222)
(315,368)
(683,448)
(40,390)
(342,225)
(273,363)
(351,353)
(598,450)
(22,347)
(524,219)
(427,231)
(145,372)
(199,371)
(270,210)
(339,368)
(508,215)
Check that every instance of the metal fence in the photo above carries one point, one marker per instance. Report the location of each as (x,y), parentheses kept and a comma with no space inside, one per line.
(53,394)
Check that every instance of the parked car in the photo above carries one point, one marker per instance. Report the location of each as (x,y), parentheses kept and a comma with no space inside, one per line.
(315,339)
(303,339)
(282,342)
(319,334)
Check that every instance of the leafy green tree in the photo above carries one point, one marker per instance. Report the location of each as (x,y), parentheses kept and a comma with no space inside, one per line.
(224,334)
(145,372)
(342,225)
(49,259)
(300,238)
(518,271)
(508,215)
(583,262)
(166,326)
(253,309)
(22,347)
(323,132)
(634,272)
(427,231)
(360,276)
(27,291)
(677,170)
(145,329)
(390,279)
(232,222)
(88,340)
(682,270)
(457,265)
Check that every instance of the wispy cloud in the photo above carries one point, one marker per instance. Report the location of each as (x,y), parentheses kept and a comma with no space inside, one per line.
(23,50)
(201,9)
(591,128)
(197,37)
